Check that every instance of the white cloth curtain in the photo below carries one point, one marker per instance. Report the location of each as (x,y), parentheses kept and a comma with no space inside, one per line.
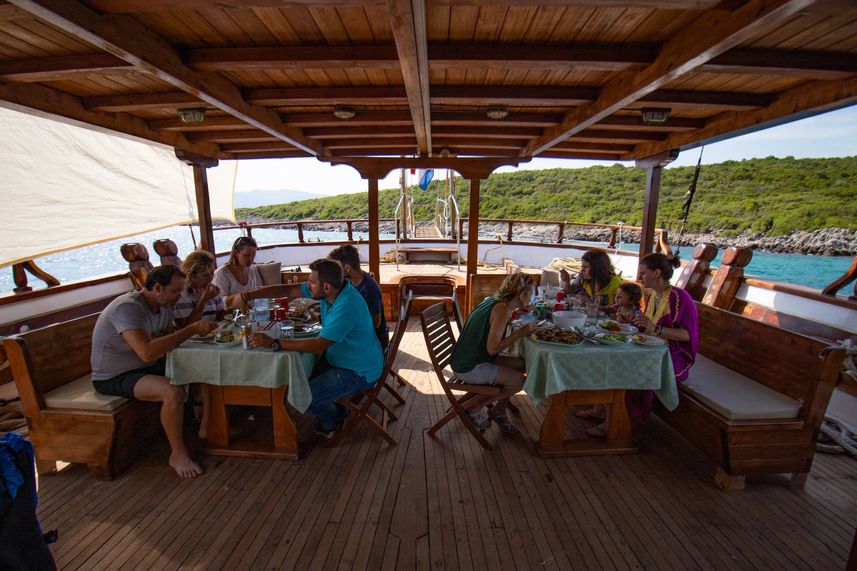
(64,186)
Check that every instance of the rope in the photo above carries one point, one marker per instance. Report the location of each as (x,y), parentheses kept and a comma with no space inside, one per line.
(836,438)
(688,200)
(12,419)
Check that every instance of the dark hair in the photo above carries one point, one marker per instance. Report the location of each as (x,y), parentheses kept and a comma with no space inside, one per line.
(329,272)
(162,275)
(346,254)
(633,291)
(513,285)
(600,267)
(239,244)
(661,262)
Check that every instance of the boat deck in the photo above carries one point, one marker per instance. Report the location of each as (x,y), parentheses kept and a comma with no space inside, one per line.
(446,503)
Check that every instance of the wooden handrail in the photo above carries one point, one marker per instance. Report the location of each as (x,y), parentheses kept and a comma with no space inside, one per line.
(849,276)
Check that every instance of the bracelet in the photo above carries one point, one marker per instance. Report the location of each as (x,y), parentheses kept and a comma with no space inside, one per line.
(244,297)
(276,345)
(658,330)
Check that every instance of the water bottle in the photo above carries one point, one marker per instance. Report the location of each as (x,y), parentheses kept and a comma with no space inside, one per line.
(261,309)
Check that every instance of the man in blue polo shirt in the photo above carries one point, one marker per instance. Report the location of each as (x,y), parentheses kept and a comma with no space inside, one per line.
(347,339)
(349,257)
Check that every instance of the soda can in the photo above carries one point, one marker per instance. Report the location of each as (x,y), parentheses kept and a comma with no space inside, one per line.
(246,331)
(281,313)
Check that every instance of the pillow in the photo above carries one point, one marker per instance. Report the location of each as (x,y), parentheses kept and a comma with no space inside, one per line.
(270,273)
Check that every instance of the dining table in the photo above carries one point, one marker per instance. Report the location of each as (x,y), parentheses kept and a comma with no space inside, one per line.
(251,377)
(592,373)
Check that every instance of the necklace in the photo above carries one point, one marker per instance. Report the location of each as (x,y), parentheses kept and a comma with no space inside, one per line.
(658,306)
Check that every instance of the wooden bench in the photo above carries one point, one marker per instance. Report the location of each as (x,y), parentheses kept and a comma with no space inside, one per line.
(67,419)
(445,255)
(755,398)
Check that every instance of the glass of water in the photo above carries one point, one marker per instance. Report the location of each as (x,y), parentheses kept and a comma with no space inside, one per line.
(287,329)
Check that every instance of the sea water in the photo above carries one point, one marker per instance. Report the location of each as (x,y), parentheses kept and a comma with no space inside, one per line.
(100,259)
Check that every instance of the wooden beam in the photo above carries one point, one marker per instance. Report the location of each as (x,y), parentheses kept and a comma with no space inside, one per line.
(267,155)
(248,136)
(469,168)
(511,95)
(635,122)
(126,38)
(142,102)
(410,142)
(203,205)
(362,119)
(708,36)
(608,57)
(377,132)
(219,122)
(60,104)
(374,231)
(516,119)
(486,132)
(408,20)
(405,151)
(650,211)
(298,96)
(802,63)
(709,99)
(254,147)
(599,134)
(62,67)
(472,235)
(572,145)
(292,57)
(797,103)
(553,153)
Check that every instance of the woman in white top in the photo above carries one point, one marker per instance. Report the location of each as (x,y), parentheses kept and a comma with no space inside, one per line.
(238,274)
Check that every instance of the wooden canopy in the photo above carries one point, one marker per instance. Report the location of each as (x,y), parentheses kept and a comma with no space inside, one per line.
(503,80)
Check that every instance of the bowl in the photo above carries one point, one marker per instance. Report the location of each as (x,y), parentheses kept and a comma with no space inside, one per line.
(569,319)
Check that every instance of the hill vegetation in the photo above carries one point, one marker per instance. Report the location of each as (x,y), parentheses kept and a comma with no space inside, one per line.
(767,196)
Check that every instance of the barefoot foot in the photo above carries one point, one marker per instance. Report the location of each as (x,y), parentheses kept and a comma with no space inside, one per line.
(184,466)
(599,431)
(595,413)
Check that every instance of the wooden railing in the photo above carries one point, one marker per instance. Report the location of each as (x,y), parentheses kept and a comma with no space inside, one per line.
(849,276)
(300,224)
(660,233)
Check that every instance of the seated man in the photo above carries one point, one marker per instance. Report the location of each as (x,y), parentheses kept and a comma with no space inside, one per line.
(347,340)
(349,257)
(129,342)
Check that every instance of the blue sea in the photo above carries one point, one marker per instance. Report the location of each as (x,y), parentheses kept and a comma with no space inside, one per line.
(100,259)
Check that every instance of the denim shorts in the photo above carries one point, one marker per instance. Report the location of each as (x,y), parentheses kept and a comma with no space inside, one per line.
(122,385)
(481,374)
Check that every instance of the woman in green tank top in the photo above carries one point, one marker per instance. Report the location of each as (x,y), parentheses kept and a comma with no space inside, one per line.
(476,358)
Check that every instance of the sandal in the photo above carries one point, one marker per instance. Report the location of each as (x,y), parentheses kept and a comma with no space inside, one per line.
(590,414)
(504,423)
(480,419)
(597,431)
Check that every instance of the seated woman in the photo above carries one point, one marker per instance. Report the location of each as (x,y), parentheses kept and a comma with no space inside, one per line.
(597,278)
(671,315)
(238,274)
(476,358)
(199,300)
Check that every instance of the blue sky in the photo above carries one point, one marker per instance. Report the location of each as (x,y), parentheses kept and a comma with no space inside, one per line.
(832,134)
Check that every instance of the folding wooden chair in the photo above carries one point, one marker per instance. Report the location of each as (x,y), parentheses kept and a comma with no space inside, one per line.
(440,344)
(393,349)
(361,403)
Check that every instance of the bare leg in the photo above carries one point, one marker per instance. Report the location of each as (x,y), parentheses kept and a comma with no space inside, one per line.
(600,431)
(596,412)
(205,398)
(510,378)
(158,389)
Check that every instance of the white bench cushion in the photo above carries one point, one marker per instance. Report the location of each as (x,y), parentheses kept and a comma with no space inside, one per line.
(81,394)
(735,396)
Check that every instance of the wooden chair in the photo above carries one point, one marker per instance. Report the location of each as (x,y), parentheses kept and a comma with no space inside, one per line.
(393,350)
(434,288)
(361,403)
(440,344)
(139,265)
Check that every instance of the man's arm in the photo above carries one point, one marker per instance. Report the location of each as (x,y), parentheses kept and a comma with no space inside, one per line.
(150,349)
(318,345)
(280,290)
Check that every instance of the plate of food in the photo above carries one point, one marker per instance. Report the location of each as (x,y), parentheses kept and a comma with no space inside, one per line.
(611,338)
(611,326)
(557,336)
(306,329)
(647,340)
(227,339)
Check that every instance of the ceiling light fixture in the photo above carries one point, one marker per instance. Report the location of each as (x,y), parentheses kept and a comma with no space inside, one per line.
(343,112)
(195,115)
(497,113)
(655,115)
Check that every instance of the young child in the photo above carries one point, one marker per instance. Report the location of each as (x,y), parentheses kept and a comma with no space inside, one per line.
(628,299)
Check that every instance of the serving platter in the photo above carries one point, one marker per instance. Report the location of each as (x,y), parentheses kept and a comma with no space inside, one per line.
(647,340)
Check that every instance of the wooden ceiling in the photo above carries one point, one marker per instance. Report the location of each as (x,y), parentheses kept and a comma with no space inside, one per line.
(421,75)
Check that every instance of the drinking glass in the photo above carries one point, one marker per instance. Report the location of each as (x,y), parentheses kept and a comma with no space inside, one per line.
(287,329)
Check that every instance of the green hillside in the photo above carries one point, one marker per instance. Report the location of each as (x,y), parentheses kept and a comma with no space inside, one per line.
(765,196)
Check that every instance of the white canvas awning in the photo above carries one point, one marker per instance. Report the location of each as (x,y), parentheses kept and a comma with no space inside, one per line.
(63,186)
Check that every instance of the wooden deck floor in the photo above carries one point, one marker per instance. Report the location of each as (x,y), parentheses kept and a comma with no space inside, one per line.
(446,503)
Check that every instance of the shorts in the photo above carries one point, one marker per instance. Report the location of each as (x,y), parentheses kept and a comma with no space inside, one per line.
(122,385)
(481,374)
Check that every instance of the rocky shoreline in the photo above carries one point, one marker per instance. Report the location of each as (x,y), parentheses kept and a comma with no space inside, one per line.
(825,242)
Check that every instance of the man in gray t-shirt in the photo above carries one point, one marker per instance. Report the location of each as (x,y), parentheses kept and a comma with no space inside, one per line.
(129,342)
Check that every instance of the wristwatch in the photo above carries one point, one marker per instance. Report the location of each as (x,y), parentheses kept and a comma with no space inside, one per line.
(276,345)
(658,330)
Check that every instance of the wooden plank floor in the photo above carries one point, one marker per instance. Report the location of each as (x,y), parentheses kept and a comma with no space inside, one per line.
(444,503)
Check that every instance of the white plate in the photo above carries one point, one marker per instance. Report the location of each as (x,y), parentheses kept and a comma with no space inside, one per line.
(228,343)
(557,342)
(309,331)
(649,341)
(600,338)
(624,328)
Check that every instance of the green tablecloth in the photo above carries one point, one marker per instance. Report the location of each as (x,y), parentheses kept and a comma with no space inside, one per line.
(552,369)
(195,362)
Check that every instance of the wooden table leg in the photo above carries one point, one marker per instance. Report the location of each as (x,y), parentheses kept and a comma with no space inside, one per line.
(218,419)
(285,431)
(552,443)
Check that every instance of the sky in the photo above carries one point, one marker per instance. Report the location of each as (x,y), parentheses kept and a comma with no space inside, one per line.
(832,134)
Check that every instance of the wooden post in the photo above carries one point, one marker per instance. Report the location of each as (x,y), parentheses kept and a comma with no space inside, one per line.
(300,233)
(203,208)
(350,231)
(472,235)
(374,241)
(561,232)
(650,210)
(20,279)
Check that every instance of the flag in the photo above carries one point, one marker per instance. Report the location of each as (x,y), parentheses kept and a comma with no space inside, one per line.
(425,177)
